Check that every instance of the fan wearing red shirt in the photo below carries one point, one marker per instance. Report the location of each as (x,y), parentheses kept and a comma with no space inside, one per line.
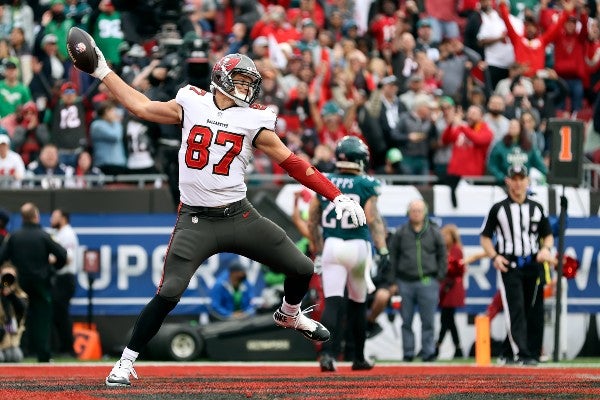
(273,23)
(530,49)
(383,27)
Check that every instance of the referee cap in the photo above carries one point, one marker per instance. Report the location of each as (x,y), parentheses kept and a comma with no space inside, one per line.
(517,170)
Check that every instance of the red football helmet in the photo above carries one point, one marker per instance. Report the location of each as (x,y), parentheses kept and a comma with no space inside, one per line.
(227,69)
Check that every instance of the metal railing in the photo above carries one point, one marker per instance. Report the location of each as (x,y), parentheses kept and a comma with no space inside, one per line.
(591,180)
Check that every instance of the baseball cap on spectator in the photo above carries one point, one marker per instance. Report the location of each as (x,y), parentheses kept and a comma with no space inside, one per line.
(518,169)
(261,41)
(331,108)
(349,24)
(49,38)
(308,22)
(394,155)
(447,100)
(9,64)
(572,18)
(55,2)
(68,88)
(4,138)
(424,22)
(389,80)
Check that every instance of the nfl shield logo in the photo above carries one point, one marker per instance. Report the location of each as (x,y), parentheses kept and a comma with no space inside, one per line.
(194,220)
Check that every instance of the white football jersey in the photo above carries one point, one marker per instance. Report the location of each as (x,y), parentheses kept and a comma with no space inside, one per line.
(216,147)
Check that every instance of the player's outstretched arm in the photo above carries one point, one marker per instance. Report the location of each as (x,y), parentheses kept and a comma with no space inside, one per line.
(137,103)
(309,176)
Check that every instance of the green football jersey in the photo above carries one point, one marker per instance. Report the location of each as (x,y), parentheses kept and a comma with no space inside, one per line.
(359,188)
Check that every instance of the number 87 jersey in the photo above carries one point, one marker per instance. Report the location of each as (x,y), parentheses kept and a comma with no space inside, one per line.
(359,188)
(216,147)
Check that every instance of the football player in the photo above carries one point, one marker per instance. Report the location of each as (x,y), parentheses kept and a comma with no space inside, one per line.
(345,251)
(220,128)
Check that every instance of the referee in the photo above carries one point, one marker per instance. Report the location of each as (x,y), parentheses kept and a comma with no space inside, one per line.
(523,241)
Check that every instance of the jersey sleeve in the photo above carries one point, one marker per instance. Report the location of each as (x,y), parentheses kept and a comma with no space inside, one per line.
(186,94)
(490,222)
(372,188)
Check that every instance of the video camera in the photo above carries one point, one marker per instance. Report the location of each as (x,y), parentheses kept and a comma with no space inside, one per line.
(8,279)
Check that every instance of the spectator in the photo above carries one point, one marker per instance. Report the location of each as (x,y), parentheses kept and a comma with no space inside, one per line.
(418,264)
(498,52)
(12,92)
(79,11)
(443,16)
(531,52)
(273,22)
(54,21)
(495,119)
(391,109)
(383,27)
(515,76)
(518,103)
(49,172)
(68,124)
(53,69)
(105,27)
(85,174)
(18,13)
(442,117)
(514,149)
(106,133)
(346,253)
(425,40)
(63,288)
(404,64)
(13,310)
(455,64)
(324,159)
(414,136)
(546,94)
(29,250)
(470,141)
(537,139)
(231,295)
(140,146)
(452,289)
(12,168)
(592,60)
(415,89)
(522,244)
(330,122)
(569,55)
(29,136)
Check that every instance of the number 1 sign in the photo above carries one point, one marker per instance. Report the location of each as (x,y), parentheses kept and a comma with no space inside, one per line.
(566,152)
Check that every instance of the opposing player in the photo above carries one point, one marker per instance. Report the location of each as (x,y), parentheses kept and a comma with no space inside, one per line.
(346,251)
(219,130)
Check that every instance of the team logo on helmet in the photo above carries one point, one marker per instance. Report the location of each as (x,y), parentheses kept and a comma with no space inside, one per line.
(228,63)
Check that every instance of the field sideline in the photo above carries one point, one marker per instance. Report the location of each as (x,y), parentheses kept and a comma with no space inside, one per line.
(302,380)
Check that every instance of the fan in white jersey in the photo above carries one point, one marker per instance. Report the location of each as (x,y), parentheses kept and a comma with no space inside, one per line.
(219,130)
(12,168)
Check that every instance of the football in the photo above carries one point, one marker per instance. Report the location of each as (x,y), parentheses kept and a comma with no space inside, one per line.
(80,47)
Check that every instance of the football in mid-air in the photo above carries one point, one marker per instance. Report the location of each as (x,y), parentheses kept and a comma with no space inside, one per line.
(80,46)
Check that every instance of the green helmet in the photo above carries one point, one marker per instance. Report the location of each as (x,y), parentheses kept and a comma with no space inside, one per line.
(351,153)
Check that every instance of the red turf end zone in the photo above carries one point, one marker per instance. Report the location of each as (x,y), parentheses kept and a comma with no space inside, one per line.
(298,381)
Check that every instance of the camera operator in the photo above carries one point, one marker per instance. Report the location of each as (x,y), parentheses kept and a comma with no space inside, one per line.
(29,249)
(12,315)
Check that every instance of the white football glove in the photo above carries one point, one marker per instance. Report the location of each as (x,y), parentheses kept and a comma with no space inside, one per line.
(343,204)
(102,69)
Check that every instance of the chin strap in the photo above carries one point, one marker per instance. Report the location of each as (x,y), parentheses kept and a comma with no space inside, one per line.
(309,176)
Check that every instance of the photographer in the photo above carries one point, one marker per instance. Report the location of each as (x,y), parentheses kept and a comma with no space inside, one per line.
(12,315)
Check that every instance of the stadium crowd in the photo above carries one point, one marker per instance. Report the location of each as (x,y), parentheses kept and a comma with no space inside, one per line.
(434,87)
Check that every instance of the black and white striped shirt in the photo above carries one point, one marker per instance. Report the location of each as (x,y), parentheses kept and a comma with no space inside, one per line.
(518,227)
